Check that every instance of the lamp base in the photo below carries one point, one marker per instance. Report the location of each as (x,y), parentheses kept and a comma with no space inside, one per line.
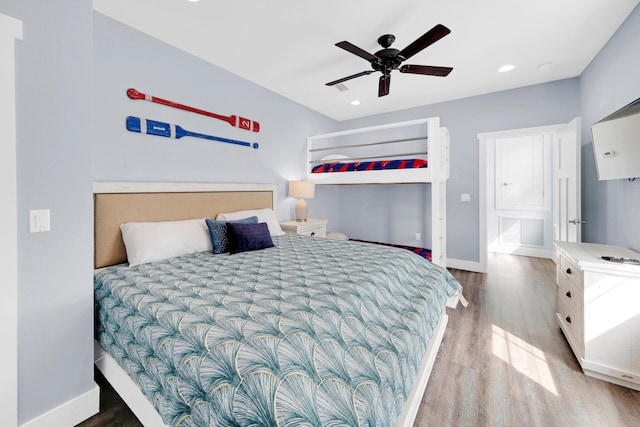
(301,210)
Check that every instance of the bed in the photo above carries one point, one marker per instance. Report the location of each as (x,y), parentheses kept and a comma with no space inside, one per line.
(306,331)
(408,152)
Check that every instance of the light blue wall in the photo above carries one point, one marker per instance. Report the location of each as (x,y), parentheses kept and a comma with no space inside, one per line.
(394,214)
(612,80)
(70,130)
(55,290)
(124,58)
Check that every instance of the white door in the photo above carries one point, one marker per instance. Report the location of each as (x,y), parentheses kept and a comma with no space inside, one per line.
(566,185)
(567,209)
(522,173)
(520,218)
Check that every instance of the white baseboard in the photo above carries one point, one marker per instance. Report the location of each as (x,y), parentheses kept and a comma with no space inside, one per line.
(461,264)
(71,412)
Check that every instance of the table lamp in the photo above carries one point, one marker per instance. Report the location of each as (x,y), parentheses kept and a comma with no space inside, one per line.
(302,190)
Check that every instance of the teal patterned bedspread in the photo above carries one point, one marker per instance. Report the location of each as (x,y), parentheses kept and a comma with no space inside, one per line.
(311,332)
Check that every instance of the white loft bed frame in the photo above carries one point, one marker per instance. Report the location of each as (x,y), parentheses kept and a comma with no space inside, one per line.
(437,173)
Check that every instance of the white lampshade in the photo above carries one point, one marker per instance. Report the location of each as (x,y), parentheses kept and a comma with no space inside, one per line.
(302,189)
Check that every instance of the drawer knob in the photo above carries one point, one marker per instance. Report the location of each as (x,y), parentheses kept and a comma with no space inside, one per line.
(568,319)
(568,294)
(568,271)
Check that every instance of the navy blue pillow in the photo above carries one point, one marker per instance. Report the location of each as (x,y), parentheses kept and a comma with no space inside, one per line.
(219,234)
(248,237)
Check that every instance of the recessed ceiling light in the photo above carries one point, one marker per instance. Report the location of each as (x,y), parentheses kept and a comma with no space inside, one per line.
(355,102)
(506,68)
(194,1)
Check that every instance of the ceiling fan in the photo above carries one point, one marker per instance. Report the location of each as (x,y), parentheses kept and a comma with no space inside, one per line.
(388,59)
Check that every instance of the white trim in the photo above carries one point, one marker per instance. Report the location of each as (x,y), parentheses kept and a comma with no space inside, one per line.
(10,31)
(612,375)
(71,412)
(483,140)
(461,264)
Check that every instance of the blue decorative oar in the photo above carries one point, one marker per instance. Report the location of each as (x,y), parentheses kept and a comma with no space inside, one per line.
(153,127)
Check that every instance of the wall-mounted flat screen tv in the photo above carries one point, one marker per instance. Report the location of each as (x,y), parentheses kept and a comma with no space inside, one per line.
(616,143)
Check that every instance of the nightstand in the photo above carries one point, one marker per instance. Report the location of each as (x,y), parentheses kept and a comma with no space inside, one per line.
(311,227)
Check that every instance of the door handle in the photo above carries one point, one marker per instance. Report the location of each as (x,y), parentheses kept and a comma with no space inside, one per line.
(576,221)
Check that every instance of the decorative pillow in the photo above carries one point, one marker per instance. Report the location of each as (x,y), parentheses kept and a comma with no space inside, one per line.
(264,215)
(219,233)
(248,237)
(155,241)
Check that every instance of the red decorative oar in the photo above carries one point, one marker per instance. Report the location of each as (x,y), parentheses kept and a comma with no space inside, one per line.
(240,122)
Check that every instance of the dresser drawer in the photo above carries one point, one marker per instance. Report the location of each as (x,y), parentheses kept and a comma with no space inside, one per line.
(571,318)
(570,270)
(571,297)
(315,227)
(571,308)
(317,232)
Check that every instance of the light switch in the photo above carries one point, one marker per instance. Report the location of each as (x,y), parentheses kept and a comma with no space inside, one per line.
(465,197)
(39,220)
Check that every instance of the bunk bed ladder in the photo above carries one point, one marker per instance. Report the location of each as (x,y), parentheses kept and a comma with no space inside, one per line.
(439,152)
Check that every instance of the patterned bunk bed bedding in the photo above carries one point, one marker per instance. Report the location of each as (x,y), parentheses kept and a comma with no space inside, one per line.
(369,165)
(423,252)
(310,332)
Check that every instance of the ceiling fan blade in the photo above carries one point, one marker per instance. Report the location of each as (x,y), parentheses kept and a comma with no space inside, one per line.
(344,79)
(383,86)
(426,69)
(349,47)
(427,39)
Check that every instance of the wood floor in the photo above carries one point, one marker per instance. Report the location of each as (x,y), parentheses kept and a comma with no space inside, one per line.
(503,361)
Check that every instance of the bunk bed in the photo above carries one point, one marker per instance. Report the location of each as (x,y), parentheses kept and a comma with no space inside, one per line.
(408,152)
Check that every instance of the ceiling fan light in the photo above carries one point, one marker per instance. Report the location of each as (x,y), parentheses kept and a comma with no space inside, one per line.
(506,68)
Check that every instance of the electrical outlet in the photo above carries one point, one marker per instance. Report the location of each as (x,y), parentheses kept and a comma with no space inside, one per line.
(417,236)
(39,220)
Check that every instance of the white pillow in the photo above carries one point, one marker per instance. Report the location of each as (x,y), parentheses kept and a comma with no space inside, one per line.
(155,241)
(335,158)
(335,235)
(264,215)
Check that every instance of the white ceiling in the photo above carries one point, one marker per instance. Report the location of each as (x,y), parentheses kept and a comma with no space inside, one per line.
(287,46)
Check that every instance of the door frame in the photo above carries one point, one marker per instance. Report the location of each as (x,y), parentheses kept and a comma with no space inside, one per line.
(10,31)
(483,140)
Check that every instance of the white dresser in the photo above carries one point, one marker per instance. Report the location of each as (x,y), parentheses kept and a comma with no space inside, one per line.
(599,310)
